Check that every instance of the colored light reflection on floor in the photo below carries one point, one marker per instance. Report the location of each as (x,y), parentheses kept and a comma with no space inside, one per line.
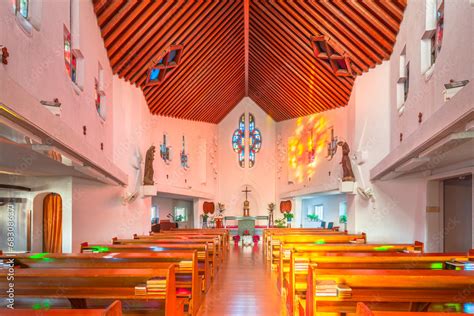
(383,248)
(99,249)
(320,242)
(41,256)
(42,305)
(437,266)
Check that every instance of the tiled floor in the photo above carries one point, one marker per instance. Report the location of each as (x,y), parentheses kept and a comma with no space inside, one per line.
(244,286)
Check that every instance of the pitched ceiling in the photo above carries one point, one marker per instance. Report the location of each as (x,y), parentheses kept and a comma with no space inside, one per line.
(257,48)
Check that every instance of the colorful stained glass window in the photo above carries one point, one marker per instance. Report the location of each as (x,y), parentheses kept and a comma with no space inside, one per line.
(255,140)
(184,155)
(439,26)
(165,65)
(238,141)
(70,59)
(67,50)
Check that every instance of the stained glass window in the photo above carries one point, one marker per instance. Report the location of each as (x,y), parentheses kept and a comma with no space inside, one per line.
(69,58)
(184,155)
(238,141)
(255,140)
(165,65)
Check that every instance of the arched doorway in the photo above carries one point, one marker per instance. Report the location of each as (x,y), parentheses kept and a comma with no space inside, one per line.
(52,223)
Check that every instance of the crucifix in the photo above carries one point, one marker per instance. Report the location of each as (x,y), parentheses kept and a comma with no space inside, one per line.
(246,202)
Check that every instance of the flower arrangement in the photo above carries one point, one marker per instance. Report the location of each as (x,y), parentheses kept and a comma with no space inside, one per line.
(246,232)
(313,217)
(236,239)
(256,239)
(179,218)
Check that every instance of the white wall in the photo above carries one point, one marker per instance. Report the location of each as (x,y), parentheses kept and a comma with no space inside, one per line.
(330,206)
(232,178)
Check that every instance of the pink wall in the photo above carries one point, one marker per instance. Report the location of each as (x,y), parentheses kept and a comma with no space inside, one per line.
(232,178)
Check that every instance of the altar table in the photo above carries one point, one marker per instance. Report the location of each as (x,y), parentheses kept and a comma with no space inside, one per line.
(246,223)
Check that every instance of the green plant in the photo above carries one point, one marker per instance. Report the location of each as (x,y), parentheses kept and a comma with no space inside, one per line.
(288,216)
(179,218)
(205,217)
(313,217)
(280,223)
(343,219)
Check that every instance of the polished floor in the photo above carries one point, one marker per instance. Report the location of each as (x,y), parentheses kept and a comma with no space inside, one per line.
(244,286)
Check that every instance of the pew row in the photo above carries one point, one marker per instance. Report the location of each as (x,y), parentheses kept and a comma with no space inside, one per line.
(212,247)
(115,309)
(364,310)
(93,287)
(396,290)
(278,241)
(203,256)
(188,284)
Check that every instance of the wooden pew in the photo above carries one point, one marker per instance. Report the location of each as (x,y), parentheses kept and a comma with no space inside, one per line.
(188,285)
(86,286)
(277,241)
(270,232)
(331,253)
(221,248)
(396,290)
(212,246)
(115,309)
(364,310)
(203,255)
(206,231)
(295,281)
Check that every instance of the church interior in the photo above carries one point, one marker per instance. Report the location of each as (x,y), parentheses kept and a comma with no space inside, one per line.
(239,157)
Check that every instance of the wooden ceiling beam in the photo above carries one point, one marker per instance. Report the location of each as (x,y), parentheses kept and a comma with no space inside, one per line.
(201,32)
(109,11)
(284,84)
(315,27)
(161,40)
(384,15)
(289,39)
(118,17)
(284,51)
(212,37)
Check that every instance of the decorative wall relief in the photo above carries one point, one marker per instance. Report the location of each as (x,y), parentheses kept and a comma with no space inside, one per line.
(331,146)
(281,155)
(184,156)
(165,150)
(213,156)
(238,141)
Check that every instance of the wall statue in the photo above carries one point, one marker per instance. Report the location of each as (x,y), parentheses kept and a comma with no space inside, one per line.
(149,172)
(347,173)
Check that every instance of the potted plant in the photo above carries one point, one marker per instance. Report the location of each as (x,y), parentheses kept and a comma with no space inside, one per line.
(289,218)
(343,220)
(313,217)
(280,223)
(204,220)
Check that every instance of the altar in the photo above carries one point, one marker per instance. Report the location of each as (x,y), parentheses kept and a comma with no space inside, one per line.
(246,223)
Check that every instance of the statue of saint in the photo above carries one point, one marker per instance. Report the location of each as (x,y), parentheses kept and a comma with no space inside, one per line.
(347,173)
(150,156)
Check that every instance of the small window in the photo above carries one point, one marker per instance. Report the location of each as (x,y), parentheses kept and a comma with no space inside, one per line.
(342,209)
(100,93)
(403,83)
(23,8)
(180,214)
(165,65)
(432,38)
(317,210)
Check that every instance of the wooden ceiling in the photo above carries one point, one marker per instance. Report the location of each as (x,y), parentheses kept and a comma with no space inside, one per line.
(262,49)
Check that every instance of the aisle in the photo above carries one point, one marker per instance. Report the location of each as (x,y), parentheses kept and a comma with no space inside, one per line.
(245,286)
